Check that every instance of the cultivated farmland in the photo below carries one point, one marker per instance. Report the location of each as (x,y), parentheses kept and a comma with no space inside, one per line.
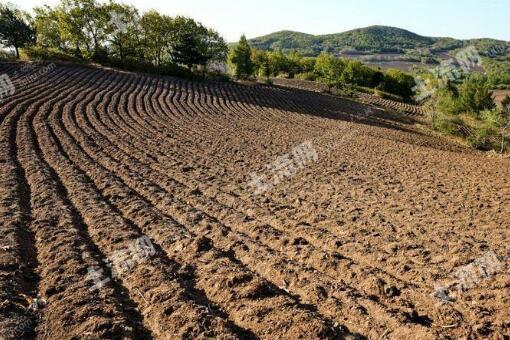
(365,238)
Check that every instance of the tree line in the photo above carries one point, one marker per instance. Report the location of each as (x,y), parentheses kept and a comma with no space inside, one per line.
(113,32)
(465,108)
(247,62)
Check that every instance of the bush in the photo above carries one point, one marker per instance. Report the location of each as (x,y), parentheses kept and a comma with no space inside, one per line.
(486,135)
(475,94)
(449,124)
(446,101)
(48,54)
(387,95)
(7,56)
(218,76)
(310,76)
(399,83)
(505,105)
(147,67)
(364,89)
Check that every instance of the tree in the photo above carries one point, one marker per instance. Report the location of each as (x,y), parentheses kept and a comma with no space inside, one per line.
(71,22)
(308,64)
(123,31)
(192,44)
(47,28)
(240,59)
(294,60)
(156,32)
(95,18)
(278,62)
(16,30)
(261,64)
(399,83)
(329,69)
(475,94)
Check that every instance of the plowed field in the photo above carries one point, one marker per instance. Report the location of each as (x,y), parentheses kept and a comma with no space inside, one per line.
(128,210)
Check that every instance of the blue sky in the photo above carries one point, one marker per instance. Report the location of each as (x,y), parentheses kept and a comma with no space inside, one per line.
(456,18)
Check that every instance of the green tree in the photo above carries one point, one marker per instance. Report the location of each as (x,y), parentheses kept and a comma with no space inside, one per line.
(123,32)
(47,28)
(475,94)
(356,73)
(71,23)
(399,83)
(193,44)
(156,31)
(278,63)
(240,59)
(294,60)
(95,19)
(261,64)
(115,33)
(329,69)
(308,64)
(16,29)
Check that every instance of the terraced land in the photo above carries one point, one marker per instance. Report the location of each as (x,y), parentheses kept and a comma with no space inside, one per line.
(369,99)
(352,244)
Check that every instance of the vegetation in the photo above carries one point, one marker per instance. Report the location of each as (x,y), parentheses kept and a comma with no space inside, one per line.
(505,105)
(467,110)
(16,29)
(373,39)
(329,69)
(240,59)
(498,71)
(113,34)
(326,68)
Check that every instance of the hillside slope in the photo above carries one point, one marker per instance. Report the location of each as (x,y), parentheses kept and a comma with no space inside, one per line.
(142,207)
(372,39)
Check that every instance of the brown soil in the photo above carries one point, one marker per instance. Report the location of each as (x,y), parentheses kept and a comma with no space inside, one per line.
(369,99)
(350,246)
(500,95)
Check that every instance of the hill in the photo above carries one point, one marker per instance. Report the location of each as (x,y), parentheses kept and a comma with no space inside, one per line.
(372,39)
(136,206)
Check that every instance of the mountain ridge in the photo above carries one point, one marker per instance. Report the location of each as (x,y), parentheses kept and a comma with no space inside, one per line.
(371,39)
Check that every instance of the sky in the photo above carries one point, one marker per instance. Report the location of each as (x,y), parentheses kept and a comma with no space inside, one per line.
(461,19)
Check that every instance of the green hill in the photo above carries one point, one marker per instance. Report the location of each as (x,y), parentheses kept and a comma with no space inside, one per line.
(373,39)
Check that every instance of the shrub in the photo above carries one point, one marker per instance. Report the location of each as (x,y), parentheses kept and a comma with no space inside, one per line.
(475,94)
(218,76)
(311,76)
(399,83)
(7,55)
(387,95)
(487,133)
(446,101)
(48,54)
(447,123)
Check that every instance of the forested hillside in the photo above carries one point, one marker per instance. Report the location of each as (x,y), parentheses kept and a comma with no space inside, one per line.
(373,39)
